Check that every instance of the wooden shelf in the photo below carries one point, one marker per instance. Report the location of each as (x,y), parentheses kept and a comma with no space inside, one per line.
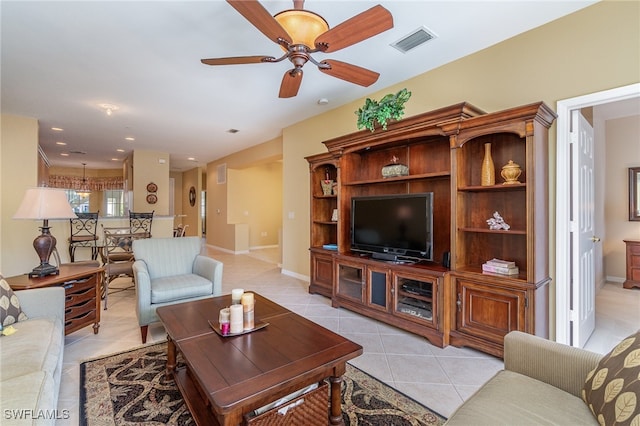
(493,231)
(398,179)
(478,188)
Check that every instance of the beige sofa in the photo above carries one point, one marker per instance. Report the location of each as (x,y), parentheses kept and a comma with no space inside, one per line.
(541,384)
(31,360)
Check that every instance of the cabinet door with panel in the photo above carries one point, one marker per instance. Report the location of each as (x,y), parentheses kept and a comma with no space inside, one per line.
(321,272)
(485,313)
(377,288)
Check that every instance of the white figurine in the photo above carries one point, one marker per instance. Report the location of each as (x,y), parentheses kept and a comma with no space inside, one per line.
(497,222)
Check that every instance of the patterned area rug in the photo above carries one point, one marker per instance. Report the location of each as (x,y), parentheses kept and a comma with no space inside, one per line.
(130,388)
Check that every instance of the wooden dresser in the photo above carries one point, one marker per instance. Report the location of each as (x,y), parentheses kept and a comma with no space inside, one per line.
(633,264)
(82,288)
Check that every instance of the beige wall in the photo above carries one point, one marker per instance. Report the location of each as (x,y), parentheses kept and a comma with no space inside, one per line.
(18,141)
(150,166)
(192,217)
(255,198)
(622,151)
(594,49)
(177,196)
(222,231)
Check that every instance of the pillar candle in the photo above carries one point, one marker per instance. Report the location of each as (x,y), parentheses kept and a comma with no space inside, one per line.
(236,296)
(247,307)
(236,319)
(224,315)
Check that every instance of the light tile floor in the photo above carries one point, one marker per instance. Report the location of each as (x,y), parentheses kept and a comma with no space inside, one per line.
(440,378)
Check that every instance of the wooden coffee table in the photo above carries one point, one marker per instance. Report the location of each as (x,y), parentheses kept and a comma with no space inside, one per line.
(228,377)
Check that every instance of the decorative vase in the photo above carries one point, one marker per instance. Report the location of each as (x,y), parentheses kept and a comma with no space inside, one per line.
(510,173)
(327,186)
(488,169)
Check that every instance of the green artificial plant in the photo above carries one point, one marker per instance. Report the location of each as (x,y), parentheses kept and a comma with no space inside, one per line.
(390,107)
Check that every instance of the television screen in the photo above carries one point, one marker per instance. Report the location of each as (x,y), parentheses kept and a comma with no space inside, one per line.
(393,227)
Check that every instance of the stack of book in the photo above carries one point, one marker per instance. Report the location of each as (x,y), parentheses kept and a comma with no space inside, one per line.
(499,266)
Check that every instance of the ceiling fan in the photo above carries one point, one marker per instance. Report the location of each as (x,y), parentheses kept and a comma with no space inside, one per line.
(301,32)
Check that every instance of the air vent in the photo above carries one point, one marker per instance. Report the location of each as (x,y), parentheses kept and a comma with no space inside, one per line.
(413,40)
(78,152)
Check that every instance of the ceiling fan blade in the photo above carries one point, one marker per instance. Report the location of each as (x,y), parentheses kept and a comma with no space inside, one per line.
(255,13)
(349,72)
(237,60)
(290,83)
(354,30)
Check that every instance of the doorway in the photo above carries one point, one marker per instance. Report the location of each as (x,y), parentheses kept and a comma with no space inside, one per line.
(566,311)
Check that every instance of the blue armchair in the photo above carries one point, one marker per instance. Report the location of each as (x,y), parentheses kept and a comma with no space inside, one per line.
(171,270)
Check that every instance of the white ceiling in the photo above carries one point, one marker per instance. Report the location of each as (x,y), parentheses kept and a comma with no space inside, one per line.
(61,59)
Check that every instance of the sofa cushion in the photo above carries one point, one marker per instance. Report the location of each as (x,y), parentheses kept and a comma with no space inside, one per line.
(178,287)
(612,389)
(10,311)
(36,345)
(32,400)
(514,399)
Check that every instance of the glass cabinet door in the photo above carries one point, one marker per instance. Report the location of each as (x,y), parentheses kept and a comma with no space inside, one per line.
(414,298)
(350,281)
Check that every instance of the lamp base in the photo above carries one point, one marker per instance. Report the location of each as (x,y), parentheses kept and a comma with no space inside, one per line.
(44,244)
(44,270)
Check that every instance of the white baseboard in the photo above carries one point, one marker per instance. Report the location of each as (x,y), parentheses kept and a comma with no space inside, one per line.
(615,279)
(227,250)
(295,275)
(263,247)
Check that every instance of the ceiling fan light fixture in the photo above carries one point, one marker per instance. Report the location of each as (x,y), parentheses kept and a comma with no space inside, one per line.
(302,25)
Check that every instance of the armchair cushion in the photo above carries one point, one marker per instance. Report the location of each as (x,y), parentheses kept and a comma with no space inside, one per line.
(188,286)
(10,310)
(612,388)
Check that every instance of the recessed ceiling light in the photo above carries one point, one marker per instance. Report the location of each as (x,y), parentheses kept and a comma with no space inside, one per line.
(65,154)
(120,150)
(109,108)
(115,159)
(191,159)
(57,129)
(129,138)
(61,143)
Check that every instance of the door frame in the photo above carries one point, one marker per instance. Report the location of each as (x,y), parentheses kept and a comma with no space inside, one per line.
(563,187)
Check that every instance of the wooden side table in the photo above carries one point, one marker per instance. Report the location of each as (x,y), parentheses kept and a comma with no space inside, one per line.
(633,264)
(82,289)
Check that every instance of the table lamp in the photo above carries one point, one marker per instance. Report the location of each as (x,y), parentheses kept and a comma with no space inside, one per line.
(43,203)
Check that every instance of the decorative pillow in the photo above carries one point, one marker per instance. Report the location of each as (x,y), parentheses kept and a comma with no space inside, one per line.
(10,310)
(612,389)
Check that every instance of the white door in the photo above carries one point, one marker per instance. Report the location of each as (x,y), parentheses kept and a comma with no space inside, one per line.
(583,236)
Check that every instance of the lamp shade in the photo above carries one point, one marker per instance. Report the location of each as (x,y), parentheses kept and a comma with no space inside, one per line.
(44,203)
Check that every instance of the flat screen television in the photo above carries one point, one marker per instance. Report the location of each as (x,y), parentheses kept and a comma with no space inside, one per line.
(393,227)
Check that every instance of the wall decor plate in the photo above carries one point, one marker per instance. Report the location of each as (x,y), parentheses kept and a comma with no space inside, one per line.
(152,187)
(152,198)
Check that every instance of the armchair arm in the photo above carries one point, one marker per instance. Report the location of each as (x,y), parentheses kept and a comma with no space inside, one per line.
(210,269)
(562,366)
(143,290)
(43,302)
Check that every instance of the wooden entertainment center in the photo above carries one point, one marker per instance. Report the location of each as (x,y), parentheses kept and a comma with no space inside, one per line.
(449,300)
